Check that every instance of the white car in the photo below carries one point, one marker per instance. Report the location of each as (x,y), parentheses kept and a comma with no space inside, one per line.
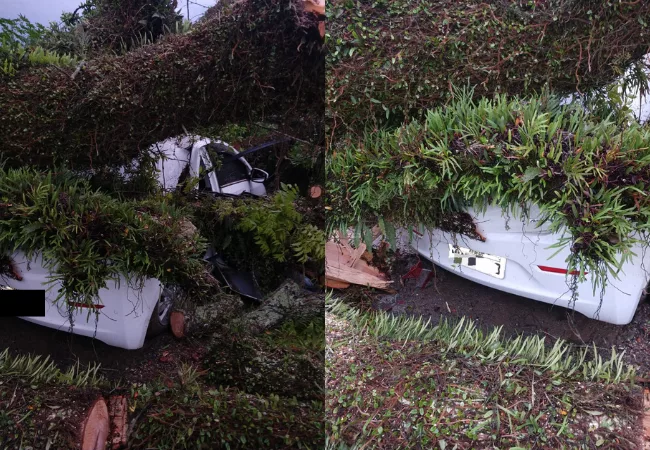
(234,176)
(127,313)
(516,258)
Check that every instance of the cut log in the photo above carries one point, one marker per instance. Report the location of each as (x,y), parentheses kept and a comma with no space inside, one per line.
(117,407)
(96,427)
(177,322)
(315,192)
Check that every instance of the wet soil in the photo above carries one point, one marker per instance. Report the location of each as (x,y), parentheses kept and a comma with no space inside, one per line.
(159,355)
(452,296)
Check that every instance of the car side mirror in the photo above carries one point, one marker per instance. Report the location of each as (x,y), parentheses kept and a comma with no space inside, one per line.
(259,176)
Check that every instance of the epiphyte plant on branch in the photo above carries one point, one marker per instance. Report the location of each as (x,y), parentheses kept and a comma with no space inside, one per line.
(393,59)
(181,82)
(590,178)
(87,238)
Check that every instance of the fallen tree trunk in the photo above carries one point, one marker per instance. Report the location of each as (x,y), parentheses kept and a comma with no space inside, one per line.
(257,60)
(191,319)
(289,302)
(395,58)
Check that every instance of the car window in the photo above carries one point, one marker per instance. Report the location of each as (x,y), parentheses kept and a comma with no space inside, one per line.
(231,171)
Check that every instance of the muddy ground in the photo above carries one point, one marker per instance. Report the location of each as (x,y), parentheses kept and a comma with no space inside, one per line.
(452,296)
(158,355)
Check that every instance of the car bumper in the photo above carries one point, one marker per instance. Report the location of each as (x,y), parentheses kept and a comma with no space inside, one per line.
(524,254)
(122,321)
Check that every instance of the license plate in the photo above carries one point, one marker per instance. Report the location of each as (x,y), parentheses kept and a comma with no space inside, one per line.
(492,265)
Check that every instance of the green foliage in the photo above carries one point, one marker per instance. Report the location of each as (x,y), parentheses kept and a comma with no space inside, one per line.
(391,60)
(229,419)
(287,361)
(465,337)
(88,238)
(41,56)
(274,225)
(19,32)
(590,178)
(308,242)
(19,46)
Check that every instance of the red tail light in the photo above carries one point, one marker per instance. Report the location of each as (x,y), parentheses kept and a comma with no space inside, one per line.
(559,270)
(85,305)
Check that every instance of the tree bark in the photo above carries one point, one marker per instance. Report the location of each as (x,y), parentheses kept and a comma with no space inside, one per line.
(190,319)
(395,59)
(288,302)
(255,61)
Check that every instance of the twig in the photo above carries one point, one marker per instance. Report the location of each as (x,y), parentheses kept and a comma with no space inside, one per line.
(133,422)
(288,135)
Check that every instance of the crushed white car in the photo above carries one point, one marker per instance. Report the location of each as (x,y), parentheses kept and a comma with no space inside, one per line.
(128,313)
(516,258)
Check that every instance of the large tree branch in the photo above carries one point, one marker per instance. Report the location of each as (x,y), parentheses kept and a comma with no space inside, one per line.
(398,58)
(257,60)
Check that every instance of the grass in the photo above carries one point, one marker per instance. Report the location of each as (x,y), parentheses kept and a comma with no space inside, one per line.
(400,383)
(198,417)
(251,392)
(40,405)
(273,396)
(465,338)
(36,369)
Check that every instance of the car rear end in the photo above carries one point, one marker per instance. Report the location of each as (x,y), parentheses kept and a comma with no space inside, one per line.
(120,318)
(515,257)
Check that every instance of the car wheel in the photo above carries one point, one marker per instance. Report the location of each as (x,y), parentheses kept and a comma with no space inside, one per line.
(159,321)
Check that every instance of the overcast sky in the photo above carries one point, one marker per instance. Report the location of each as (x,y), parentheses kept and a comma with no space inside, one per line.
(46,11)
